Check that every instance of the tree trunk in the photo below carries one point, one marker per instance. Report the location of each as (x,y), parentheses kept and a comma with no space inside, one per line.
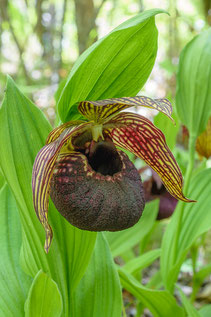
(85,15)
(207,9)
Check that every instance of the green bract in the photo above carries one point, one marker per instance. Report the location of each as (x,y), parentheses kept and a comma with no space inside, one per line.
(117,65)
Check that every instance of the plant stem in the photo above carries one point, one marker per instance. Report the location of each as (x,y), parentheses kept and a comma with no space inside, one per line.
(195,283)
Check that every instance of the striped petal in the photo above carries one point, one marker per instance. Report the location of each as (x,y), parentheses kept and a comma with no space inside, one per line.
(42,174)
(139,136)
(55,133)
(100,110)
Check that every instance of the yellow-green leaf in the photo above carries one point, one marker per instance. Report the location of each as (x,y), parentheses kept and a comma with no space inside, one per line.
(193,96)
(99,292)
(14,283)
(190,309)
(179,236)
(23,131)
(44,298)
(115,66)
(160,303)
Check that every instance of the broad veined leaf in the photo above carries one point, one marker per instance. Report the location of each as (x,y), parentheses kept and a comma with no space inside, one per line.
(44,298)
(160,303)
(190,309)
(14,283)
(99,291)
(2,179)
(23,131)
(117,65)
(196,220)
(193,96)
(141,261)
(122,241)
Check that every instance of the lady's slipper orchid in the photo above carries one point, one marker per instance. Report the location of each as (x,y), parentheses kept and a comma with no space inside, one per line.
(92,183)
(154,189)
(203,142)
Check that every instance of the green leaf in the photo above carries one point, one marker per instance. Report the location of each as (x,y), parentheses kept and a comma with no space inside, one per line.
(190,309)
(168,128)
(203,273)
(122,241)
(193,96)
(115,66)
(99,291)
(155,281)
(2,179)
(23,130)
(142,261)
(179,236)
(14,283)
(160,303)
(44,298)
(205,311)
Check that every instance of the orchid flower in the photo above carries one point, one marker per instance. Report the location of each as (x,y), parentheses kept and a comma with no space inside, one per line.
(92,183)
(154,189)
(203,142)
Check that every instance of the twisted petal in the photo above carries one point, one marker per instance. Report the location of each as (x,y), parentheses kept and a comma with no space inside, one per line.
(55,133)
(100,110)
(139,136)
(42,174)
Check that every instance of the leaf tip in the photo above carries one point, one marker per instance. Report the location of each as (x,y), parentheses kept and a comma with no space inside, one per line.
(10,80)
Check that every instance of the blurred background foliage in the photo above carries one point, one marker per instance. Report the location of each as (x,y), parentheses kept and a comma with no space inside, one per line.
(41,39)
